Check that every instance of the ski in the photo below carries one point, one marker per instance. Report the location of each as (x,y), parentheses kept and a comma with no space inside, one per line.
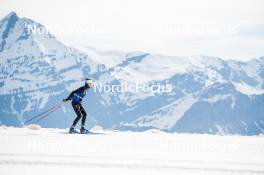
(77,131)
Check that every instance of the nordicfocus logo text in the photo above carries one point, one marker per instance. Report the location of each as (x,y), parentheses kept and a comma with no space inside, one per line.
(61,29)
(133,88)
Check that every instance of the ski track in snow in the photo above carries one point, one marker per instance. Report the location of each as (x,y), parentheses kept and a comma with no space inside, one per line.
(43,151)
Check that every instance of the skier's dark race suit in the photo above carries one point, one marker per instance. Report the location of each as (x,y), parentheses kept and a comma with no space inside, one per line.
(76,97)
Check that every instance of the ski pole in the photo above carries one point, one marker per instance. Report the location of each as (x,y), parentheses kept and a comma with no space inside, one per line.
(43,113)
(48,113)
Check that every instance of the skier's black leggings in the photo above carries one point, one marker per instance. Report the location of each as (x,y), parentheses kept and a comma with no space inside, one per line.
(79,110)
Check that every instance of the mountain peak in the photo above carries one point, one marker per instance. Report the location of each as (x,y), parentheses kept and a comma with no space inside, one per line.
(11,15)
(7,24)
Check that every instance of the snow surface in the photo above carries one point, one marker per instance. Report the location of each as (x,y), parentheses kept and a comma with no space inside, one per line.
(42,150)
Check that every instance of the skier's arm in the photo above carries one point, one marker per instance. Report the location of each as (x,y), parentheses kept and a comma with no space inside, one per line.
(72,93)
(70,96)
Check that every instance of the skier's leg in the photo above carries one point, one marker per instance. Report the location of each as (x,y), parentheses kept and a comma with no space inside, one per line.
(84,114)
(77,110)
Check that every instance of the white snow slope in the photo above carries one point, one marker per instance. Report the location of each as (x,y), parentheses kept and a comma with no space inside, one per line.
(54,151)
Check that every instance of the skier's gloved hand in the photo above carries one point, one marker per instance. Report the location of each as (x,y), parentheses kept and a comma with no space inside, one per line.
(65,100)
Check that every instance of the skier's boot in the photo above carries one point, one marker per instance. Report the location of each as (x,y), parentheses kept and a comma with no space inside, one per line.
(72,130)
(83,130)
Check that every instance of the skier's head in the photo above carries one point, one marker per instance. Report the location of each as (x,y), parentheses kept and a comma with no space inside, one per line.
(89,83)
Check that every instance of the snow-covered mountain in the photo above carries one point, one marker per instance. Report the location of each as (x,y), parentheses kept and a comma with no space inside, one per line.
(209,95)
(35,69)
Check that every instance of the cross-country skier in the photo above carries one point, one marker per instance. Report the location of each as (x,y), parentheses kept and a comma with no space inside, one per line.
(76,98)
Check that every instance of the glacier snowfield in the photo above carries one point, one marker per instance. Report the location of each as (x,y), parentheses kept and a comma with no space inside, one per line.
(36,150)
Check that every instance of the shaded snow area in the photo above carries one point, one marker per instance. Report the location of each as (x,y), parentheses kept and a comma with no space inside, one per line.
(36,150)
